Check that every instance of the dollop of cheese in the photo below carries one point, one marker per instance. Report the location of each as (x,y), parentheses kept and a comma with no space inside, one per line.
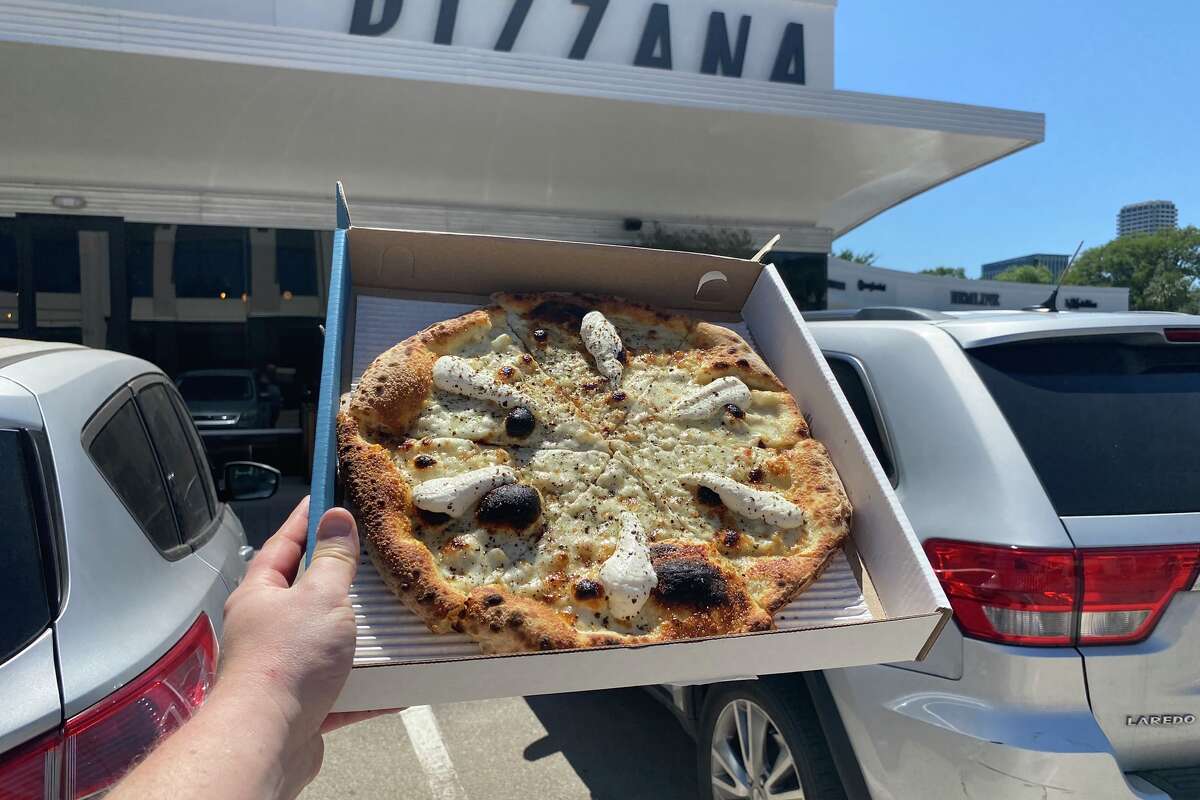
(456,375)
(627,574)
(710,398)
(604,343)
(458,494)
(770,507)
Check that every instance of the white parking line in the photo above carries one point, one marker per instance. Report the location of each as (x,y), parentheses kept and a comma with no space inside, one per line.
(431,751)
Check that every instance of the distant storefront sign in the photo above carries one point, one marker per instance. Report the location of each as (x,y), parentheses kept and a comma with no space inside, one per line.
(975,299)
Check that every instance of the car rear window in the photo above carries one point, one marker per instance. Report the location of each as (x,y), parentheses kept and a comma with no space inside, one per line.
(23,591)
(209,388)
(1110,427)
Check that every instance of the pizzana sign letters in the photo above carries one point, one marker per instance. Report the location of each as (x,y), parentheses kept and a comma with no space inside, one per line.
(722,49)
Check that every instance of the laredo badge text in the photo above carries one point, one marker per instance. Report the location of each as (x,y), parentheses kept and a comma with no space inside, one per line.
(1159,720)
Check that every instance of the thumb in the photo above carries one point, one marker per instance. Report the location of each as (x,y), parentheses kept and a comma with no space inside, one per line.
(335,557)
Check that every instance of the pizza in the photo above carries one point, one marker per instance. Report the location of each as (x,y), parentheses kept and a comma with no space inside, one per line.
(562,471)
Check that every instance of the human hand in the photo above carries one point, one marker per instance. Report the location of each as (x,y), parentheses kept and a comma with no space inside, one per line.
(288,643)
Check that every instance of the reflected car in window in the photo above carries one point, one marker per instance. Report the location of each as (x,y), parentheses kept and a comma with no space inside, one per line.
(229,398)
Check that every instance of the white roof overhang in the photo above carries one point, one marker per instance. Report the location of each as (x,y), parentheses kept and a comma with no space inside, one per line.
(200,110)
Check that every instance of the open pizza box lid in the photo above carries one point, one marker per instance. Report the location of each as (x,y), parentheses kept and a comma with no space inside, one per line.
(877,602)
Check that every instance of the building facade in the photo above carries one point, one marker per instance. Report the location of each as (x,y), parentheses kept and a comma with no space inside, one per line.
(1055,263)
(854,285)
(167,166)
(1147,217)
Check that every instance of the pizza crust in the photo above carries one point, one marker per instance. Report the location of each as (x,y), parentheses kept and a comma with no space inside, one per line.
(710,583)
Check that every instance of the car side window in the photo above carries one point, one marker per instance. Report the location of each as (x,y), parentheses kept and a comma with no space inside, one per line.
(853,386)
(122,451)
(185,480)
(23,594)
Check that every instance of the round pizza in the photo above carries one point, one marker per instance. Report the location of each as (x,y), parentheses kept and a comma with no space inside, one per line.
(563,471)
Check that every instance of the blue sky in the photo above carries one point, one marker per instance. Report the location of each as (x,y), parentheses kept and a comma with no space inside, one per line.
(1118,81)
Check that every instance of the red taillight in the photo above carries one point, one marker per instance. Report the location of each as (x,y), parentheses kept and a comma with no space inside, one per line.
(1182,335)
(98,746)
(1126,590)
(32,772)
(1033,596)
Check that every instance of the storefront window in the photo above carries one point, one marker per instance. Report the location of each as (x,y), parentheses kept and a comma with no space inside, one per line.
(806,276)
(296,262)
(139,259)
(56,259)
(211,261)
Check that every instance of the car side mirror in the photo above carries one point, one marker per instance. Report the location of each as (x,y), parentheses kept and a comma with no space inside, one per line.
(249,480)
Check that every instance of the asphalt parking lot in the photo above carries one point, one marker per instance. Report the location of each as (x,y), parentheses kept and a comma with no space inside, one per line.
(613,744)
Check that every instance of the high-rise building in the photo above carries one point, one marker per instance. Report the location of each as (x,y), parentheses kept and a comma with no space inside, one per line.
(1055,263)
(1147,217)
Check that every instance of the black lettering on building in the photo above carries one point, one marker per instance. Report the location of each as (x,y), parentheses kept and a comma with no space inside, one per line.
(360,20)
(516,19)
(718,58)
(789,63)
(587,31)
(447,14)
(960,298)
(656,39)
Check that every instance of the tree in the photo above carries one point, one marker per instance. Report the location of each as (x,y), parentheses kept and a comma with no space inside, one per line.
(1161,269)
(715,241)
(945,272)
(867,257)
(1026,273)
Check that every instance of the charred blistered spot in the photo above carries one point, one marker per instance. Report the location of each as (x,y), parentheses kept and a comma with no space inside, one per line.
(516,620)
(424,462)
(492,600)
(539,335)
(519,422)
(561,313)
(756,475)
(691,582)
(505,374)
(729,537)
(432,519)
(592,386)
(732,351)
(616,398)
(526,358)
(496,625)
(588,589)
(720,365)
(734,410)
(426,597)
(545,643)
(623,356)
(707,496)
(457,626)
(514,506)
(743,363)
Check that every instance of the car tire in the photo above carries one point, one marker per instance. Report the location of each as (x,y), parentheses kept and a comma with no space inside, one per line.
(780,708)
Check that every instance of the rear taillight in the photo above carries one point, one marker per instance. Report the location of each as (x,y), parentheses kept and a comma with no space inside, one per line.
(32,772)
(1032,596)
(1182,335)
(98,746)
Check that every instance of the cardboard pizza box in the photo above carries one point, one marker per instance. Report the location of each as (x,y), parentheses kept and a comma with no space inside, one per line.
(877,602)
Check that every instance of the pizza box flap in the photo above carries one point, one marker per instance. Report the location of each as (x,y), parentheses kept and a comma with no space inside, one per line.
(390,275)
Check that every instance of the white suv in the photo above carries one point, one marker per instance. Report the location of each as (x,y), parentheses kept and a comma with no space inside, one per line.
(1050,463)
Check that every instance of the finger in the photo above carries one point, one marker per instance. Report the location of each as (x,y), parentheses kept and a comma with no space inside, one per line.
(340,719)
(279,558)
(335,557)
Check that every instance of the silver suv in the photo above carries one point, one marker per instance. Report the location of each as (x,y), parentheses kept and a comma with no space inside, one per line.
(1050,463)
(117,555)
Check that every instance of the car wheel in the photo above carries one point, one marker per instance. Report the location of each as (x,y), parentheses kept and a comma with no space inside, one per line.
(761,740)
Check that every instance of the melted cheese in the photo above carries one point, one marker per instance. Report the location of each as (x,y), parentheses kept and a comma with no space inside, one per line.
(627,575)
(770,507)
(710,400)
(604,343)
(458,494)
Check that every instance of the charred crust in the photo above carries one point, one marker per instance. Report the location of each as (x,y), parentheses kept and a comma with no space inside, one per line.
(559,312)
(588,589)
(690,582)
(734,411)
(424,461)
(756,475)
